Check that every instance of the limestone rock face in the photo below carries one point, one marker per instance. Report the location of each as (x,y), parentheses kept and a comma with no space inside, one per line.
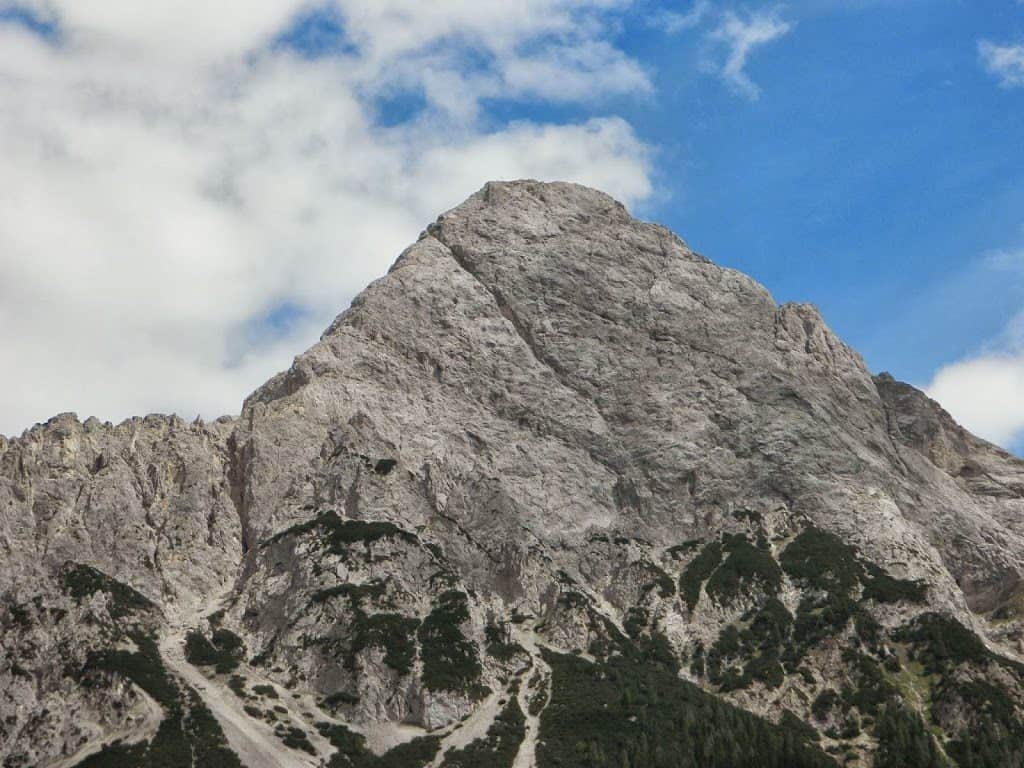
(550,428)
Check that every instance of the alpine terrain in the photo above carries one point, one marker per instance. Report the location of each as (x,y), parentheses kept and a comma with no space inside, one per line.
(557,491)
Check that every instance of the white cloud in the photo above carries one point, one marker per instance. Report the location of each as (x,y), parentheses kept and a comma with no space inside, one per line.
(1006,62)
(170,178)
(742,35)
(985,394)
(985,391)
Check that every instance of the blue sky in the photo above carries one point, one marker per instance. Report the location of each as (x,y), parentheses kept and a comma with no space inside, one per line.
(879,165)
(863,156)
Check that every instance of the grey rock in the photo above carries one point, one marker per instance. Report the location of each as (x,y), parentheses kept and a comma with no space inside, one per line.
(542,400)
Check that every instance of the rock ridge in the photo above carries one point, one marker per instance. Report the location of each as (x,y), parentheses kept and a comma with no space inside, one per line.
(551,436)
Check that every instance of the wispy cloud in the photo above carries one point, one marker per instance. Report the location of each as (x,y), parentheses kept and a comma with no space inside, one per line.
(674,22)
(741,35)
(1006,62)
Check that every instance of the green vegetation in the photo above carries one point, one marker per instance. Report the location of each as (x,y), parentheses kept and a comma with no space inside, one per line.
(905,742)
(450,661)
(337,534)
(883,588)
(993,736)
(745,566)
(500,645)
(188,736)
(223,653)
(991,733)
(266,691)
(662,581)
(352,751)
(770,626)
(749,515)
(824,703)
(871,688)
(942,641)
(818,618)
(81,581)
(758,648)
(355,593)
(296,738)
(631,711)
(636,621)
(496,750)
(237,685)
(698,570)
(339,698)
(680,550)
(392,632)
(822,561)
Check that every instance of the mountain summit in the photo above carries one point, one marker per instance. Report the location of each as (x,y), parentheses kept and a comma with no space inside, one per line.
(555,491)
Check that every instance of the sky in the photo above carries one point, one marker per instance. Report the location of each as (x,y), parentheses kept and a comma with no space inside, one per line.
(189,192)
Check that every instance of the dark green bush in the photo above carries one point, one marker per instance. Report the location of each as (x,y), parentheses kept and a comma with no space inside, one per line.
(498,748)
(450,660)
(81,581)
(625,711)
(822,560)
(697,571)
(745,566)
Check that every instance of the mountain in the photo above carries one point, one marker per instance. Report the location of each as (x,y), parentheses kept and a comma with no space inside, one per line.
(555,491)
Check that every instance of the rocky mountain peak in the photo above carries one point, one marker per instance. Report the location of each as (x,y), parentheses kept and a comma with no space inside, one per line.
(551,453)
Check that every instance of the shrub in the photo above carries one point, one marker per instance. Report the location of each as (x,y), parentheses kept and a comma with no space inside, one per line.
(450,660)
(223,653)
(698,570)
(84,581)
(625,711)
(883,588)
(822,560)
(498,748)
(745,566)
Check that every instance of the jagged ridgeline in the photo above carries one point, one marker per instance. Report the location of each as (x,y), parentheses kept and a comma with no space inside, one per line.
(557,492)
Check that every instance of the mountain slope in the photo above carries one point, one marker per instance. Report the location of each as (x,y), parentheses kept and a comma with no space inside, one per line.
(550,429)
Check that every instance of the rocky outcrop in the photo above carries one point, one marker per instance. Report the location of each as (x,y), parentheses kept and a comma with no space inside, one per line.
(551,428)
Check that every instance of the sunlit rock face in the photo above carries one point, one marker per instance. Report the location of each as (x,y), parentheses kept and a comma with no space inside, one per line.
(551,452)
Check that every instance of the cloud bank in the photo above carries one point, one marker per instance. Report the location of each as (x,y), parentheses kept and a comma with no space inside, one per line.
(192,191)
